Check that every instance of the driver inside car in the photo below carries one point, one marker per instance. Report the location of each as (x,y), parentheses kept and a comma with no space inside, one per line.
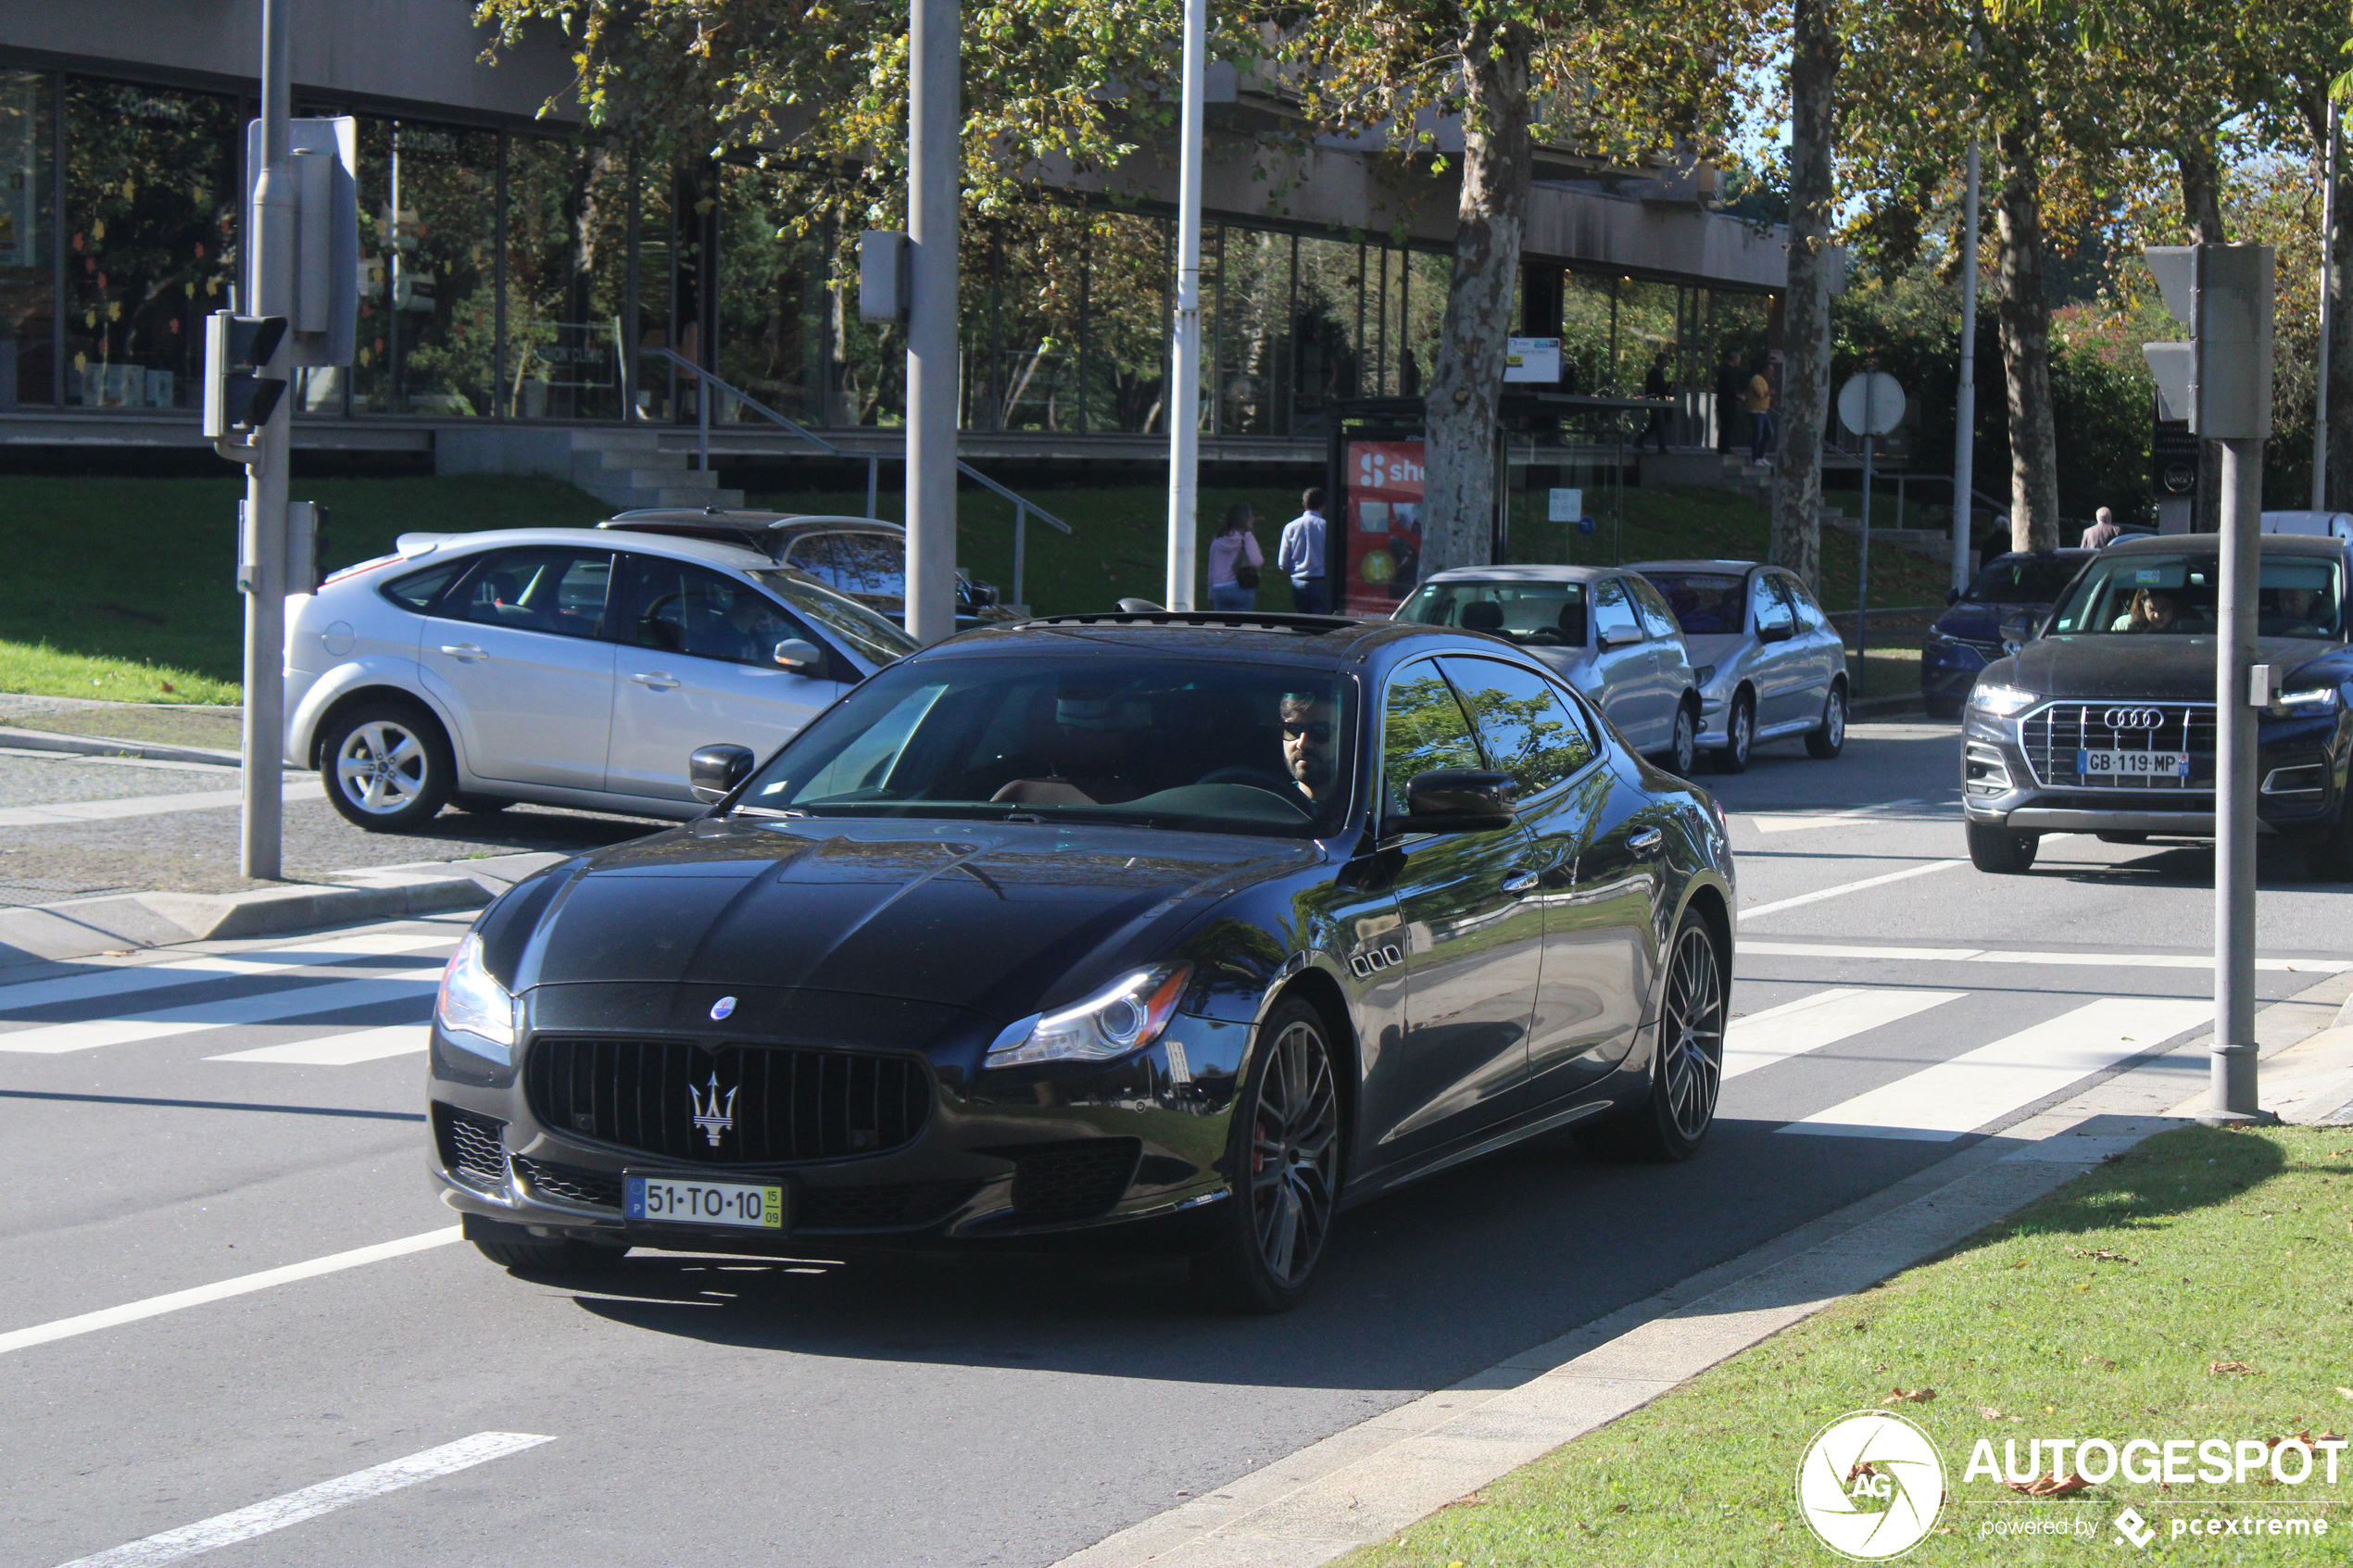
(2152,610)
(1308,731)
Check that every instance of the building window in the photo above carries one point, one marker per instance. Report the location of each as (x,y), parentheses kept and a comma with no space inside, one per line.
(428,339)
(567,279)
(772,303)
(152,193)
(28,239)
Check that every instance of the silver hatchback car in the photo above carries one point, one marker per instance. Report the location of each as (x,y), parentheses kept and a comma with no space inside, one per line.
(1770,664)
(560,665)
(1603,628)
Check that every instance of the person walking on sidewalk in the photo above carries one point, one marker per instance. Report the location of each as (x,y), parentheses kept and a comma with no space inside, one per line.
(2103,531)
(1656,384)
(1760,415)
(1235,562)
(1299,556)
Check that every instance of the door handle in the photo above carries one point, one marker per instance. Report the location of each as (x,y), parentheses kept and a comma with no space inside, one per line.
(1522,882)
(660,680)
(1645,841)
(464,653)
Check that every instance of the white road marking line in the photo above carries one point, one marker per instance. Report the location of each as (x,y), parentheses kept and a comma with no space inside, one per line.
(122,980)
(1798,821)
(244,1524)
(143,806)
(1843,889)
(1998,954)
(1823,1018)
(300,1001)
(1940,1103)
(339,1050)
(222,1290)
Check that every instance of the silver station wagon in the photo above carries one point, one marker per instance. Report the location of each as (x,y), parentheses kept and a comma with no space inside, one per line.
(1770,663)
(1603,628)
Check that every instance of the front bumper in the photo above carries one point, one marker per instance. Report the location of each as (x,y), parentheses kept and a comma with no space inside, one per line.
(1007,1155)
(2300,774)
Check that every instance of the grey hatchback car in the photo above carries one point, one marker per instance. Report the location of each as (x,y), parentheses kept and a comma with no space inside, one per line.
(1602,629)
(1769,662)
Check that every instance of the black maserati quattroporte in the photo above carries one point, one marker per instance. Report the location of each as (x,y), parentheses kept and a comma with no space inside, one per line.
(1193,928)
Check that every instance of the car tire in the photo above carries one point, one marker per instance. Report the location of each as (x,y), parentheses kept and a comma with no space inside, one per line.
(1827,739)
(1687,1070)
(387,766)
(2000,850)
(1941,706)
(528,1255)
(481,805)
(1682,748)
(1273,1233)
(1740,736)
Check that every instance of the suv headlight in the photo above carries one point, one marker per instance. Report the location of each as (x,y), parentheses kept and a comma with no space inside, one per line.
(1125,1016)
(2000,701)
(471,1000)
(2316,699)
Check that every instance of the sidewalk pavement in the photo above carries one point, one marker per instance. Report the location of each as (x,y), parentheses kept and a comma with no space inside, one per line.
(1365,1484)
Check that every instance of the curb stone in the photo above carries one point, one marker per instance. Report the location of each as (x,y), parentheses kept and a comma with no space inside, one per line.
(80,928)
(101,746)
(1365,1484)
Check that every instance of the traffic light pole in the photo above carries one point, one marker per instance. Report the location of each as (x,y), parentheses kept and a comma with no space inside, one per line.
(2232,1063)
(270,283)
(935,169)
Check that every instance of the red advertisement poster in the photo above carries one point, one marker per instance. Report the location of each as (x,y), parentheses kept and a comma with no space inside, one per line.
(1384,523)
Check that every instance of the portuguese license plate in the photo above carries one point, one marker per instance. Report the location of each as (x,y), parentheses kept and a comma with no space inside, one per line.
(2169,766)
(671,1201)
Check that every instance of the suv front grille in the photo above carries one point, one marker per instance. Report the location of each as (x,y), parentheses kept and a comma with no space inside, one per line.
(734,1105)
(473,1148)
(2054,734)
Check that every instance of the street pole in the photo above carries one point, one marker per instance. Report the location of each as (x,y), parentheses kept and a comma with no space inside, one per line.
(1184,416)
(1863,566)
(2321,385)
(270,286)
(2234,1061)
(1965,390)
(934,166)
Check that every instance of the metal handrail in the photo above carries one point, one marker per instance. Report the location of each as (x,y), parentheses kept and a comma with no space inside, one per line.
(1022,506)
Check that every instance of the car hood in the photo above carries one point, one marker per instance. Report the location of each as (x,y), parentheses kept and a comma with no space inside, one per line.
(2171,669)
(1002,917)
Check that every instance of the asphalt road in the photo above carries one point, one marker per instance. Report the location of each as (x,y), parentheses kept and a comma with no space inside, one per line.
(981,1413)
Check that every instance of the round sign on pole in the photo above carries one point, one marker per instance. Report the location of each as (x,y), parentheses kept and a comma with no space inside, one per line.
(1870,403)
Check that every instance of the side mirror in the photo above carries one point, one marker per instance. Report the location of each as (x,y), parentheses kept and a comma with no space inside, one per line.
(1775,632)
(1606,640)
(1952,595)
(984,595)
(714,771)
(800,655)
(1455,800)
(2018,628)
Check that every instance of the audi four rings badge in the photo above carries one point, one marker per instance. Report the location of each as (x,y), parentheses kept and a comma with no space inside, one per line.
(721,1007)
(2133,718)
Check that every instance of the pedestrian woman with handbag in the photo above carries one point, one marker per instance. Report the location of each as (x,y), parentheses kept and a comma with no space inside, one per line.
(1235,560)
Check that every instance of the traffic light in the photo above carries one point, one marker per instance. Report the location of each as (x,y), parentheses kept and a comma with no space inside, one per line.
(235,349)
(2221,380)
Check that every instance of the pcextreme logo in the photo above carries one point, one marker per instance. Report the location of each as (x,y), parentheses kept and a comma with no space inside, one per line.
(1870,1485)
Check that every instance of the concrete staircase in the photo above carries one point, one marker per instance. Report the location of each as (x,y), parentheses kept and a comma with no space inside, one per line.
(626,468)
(1727,471)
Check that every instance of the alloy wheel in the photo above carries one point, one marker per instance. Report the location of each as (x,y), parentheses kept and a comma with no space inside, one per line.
(1685,752)
(1693,1041)
(1294,1157)
(1834,721)
(382,768)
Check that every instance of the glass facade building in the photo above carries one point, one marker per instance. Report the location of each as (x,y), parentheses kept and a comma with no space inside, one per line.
(509,274)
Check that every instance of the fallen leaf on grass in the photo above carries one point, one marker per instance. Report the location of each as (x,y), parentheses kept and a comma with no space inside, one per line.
(2100,1255)
(2102,1360)
(1916,1396)
(2044,1486)
(2232,1369)
(2345,1391)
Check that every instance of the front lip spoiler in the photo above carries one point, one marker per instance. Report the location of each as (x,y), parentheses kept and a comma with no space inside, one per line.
(2053,819)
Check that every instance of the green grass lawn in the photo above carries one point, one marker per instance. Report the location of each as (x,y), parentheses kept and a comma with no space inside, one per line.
(122,587)
(2195,1287)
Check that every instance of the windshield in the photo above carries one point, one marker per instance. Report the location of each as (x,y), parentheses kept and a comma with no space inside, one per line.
(2022,580)
(2299,596)
(1706,604)
(1538,613)
(1208,746)
(874,638)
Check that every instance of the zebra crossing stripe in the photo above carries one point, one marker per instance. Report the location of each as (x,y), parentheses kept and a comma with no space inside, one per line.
(1822,1017)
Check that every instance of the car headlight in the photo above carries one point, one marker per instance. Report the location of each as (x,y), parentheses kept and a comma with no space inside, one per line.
(1125,1016)
(2316,699)
(1704,674)
(471,1000)
(2000,701)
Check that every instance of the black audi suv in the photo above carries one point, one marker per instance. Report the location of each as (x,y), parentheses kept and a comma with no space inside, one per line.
(2104,722)
(1189,930)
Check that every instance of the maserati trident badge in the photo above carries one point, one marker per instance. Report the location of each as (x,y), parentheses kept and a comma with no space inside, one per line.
(721,1007)
(714,1116)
